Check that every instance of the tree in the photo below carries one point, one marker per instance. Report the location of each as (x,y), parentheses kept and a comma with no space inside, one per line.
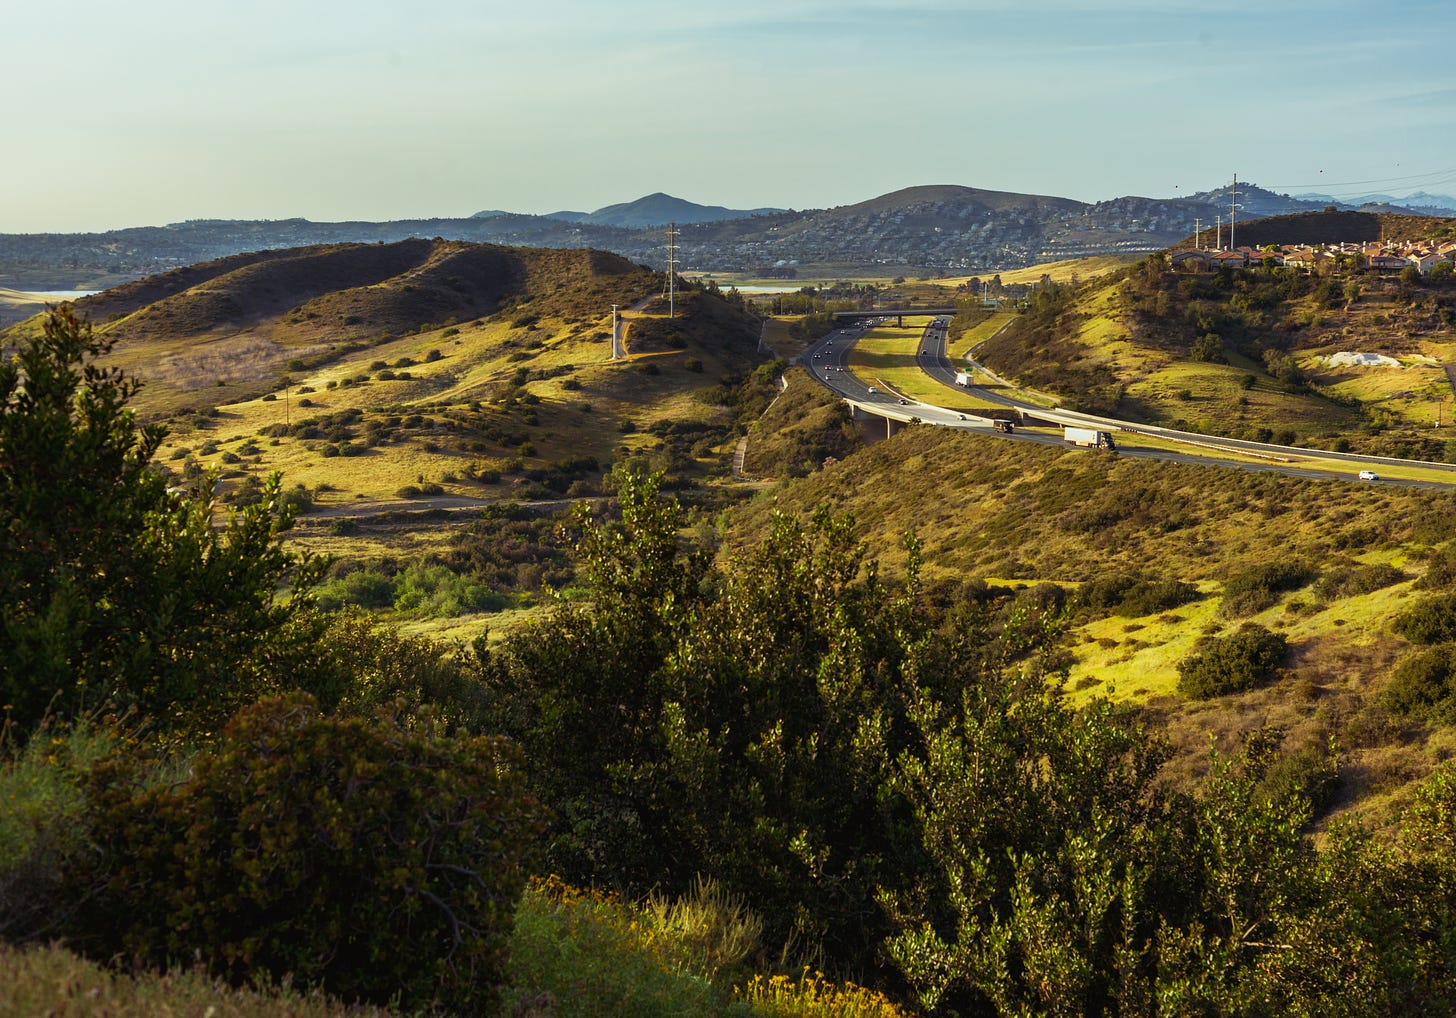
(115,590)
(581,692)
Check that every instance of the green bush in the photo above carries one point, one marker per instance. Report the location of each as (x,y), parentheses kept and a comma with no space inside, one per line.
(297,497)
(368,858)
(1219,665)
(1424,684)
(1440,569)
(1432,619)
(439,592)
(42,820)
(363,587)
(1258,587)
(1133,596)
(1351,581)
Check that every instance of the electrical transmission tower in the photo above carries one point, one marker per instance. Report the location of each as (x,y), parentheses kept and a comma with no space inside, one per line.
(671,269)
(1233,205)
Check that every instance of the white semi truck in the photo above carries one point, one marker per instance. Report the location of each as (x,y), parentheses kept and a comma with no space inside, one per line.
(963,378)
(1089,437)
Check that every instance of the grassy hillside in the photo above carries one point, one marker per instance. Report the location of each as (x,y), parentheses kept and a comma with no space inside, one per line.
(1250,353)
(1005,519)
(396,385)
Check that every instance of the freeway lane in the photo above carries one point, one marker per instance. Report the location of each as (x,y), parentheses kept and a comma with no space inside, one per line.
(828,360)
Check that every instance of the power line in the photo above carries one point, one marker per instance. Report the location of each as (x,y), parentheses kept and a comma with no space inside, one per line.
(671,269)
(1428,179)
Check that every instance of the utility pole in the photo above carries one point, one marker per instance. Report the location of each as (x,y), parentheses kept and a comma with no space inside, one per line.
(1233,204)
(671,269)
(1218,235)
(1196,224)
(614,332)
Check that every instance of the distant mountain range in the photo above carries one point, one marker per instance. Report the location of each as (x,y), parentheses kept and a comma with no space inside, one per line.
(1431,204)
(934,229)
(656,209)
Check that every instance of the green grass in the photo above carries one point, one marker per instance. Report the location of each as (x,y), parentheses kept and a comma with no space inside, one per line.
(973,337)
(1060,271)
(1137,659)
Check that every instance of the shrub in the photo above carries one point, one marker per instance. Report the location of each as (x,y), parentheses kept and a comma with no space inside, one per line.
(813,996)
(1259,586)
(298,497)
(433,356)
(1244,660)
(368,858)
(437,591)
(408,491)
(1132,596)
(1424,684)
(364,587)
(42,820)
(1440,569)
(1351,581)
(1432,619)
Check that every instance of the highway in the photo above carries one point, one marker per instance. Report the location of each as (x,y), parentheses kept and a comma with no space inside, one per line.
(828,361)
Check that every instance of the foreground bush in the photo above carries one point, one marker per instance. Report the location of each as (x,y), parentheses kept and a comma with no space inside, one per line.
(366,858)
(43,821)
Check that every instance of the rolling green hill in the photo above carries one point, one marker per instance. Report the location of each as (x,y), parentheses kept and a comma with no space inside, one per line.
(1249,353)
(390,383)
(1016,521)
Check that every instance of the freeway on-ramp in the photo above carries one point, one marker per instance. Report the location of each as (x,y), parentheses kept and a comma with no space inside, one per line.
(828,361)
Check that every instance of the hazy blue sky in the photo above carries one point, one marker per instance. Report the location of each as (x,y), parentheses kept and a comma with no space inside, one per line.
(154,111)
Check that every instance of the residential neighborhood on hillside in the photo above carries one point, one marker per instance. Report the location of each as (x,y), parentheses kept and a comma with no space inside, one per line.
(1424,256)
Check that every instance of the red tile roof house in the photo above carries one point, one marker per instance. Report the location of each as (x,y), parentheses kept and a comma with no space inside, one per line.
(1233,259)
(1425,261)
(1301,258)
(1387,263)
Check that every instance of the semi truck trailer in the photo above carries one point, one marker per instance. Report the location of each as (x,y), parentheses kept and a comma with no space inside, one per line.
(1089,437)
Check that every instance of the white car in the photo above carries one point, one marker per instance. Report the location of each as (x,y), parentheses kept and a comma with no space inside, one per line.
(1369,475)
(873,390)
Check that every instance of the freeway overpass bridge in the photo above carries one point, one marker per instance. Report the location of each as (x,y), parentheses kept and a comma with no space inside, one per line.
(900,314)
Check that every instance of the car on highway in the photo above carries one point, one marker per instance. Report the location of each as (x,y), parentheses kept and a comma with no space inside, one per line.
(904,402)
(873,390)
(1369,475)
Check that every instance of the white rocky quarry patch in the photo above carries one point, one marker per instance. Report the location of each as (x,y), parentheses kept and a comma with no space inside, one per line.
(1345,359)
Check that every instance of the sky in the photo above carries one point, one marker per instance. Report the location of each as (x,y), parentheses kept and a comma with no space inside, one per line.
(158,111)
